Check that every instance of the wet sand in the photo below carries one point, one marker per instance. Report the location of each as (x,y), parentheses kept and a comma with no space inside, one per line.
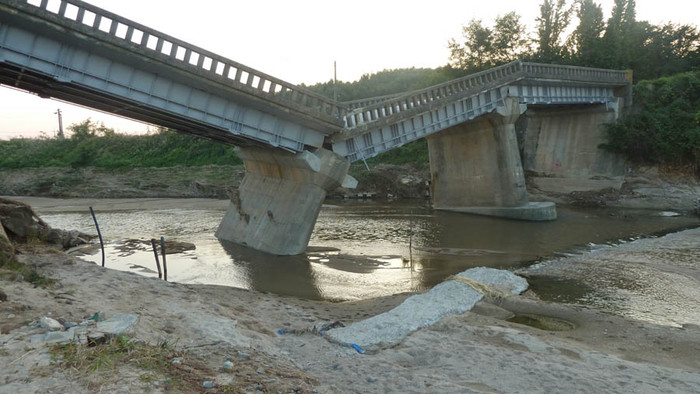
(471,352)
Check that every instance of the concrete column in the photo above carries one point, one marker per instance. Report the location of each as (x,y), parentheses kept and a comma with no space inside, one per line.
(561,150)
(275,208)
(475,167)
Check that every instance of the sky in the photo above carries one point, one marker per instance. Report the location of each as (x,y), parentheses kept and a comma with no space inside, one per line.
(298,41)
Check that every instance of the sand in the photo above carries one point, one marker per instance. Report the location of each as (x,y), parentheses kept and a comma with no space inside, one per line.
(475,351)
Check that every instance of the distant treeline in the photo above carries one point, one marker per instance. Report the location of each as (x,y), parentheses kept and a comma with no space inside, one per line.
(620,42)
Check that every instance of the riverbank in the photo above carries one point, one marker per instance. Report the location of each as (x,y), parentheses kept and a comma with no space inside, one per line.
(476,351)
(645,187)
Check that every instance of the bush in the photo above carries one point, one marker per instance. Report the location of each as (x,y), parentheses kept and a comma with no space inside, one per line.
(664,127)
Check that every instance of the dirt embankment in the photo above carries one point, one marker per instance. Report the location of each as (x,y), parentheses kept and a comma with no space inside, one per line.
(645,188)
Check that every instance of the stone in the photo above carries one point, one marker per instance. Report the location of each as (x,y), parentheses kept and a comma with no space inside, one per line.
(18,219)
(176,361)
(117,324)
(208,384)
(7,251)
(244,355)
(228,365)
(371,379)
(50,324)
(3,296)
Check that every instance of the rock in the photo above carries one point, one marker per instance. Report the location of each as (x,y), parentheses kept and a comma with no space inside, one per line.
(244,355)
(117,324)
(50,324)
(371,379)
(228,365)
(7,251)
(18,219)
(669,214)
(208,384)
(176,361)
(3,296)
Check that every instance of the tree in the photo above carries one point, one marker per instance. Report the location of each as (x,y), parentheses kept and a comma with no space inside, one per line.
(585,41)
(476,49)
(88,128)
(553,20)
(485,47)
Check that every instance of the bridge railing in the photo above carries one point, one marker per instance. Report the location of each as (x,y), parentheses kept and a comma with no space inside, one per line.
(575,74)
(375,108)
(132,35)
(394,105)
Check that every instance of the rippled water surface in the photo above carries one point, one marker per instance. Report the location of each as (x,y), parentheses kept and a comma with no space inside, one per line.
(359,249)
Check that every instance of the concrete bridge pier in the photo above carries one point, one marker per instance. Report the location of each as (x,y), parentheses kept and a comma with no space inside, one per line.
(475,168)
(276,206)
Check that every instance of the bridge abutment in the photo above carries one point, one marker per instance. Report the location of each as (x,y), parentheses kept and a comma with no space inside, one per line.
(276,206)
(476,168)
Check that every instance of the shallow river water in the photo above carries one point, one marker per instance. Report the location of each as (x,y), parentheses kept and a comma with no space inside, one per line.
(359,249)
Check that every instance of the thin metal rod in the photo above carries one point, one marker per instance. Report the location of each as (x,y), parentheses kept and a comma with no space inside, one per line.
(155,253)
(165,266)
(99,234)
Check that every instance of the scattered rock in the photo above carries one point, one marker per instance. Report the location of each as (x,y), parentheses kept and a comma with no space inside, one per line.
(50,324)
(228,365)
(117,324)
(176,361)
(371,379)
(7,251)
(208,384)
(244,355)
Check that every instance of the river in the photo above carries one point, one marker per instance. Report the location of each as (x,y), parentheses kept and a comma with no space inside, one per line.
(358,250)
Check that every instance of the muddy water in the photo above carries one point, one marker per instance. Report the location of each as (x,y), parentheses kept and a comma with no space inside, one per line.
(358,249)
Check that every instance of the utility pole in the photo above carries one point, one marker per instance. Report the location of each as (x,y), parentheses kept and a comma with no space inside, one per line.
(60,123)
(335,81)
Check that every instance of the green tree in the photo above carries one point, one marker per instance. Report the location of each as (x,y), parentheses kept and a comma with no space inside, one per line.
(483,47)
(585,41)
(554,18)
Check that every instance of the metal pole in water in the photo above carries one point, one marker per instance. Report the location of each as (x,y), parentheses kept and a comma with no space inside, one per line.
(165,267)
(155,253)
(99,234)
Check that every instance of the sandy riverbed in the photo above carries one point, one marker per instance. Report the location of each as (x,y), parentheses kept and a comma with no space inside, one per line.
(471,352)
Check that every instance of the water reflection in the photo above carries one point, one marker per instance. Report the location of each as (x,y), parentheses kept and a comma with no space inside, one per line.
(289,275)
(361,249)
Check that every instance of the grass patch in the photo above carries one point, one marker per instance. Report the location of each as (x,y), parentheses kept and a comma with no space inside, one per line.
(103,364)
(11,269)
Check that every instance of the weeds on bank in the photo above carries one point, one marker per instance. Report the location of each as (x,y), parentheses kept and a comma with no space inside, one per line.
(102,363)
(11,269)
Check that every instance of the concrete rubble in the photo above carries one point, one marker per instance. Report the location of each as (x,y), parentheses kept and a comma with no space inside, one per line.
(422,310)
(89,331)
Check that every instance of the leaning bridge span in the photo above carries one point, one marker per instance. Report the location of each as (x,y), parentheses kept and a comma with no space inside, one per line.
(296,144)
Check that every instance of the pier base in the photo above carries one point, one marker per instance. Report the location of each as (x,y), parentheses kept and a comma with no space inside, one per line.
(276,206)
(475,167)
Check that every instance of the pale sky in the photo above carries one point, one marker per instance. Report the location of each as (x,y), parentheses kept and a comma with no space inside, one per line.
(298,41)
